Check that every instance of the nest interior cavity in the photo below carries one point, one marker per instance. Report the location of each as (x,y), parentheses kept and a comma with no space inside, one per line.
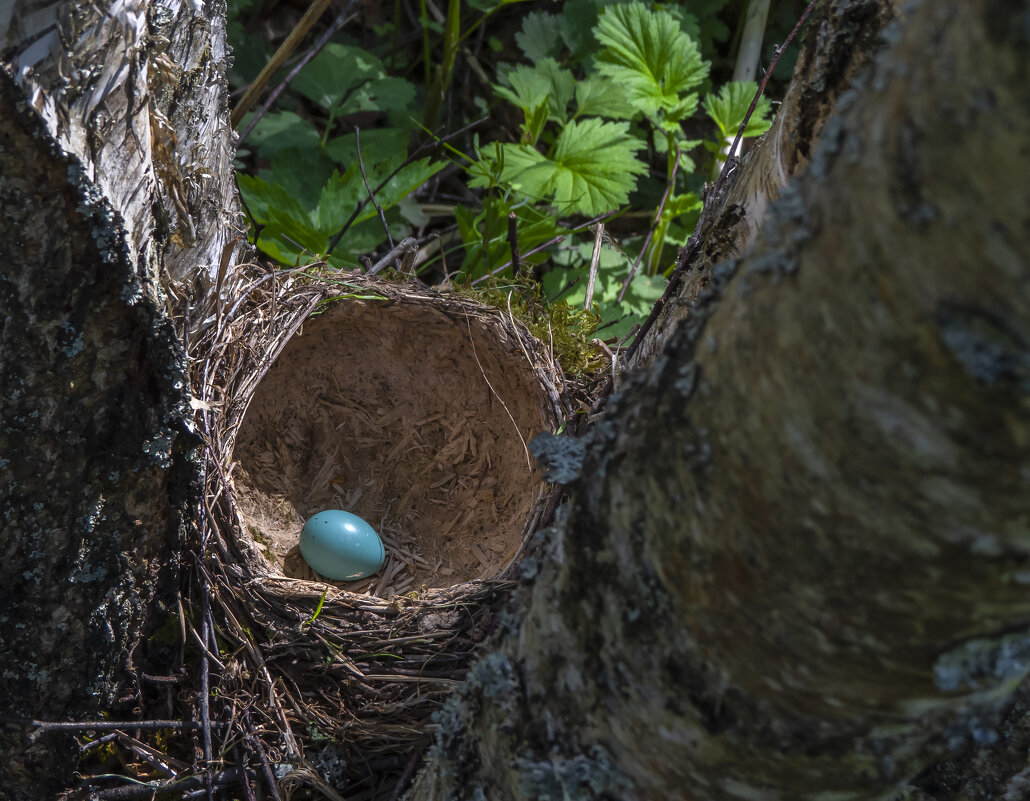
(413,412)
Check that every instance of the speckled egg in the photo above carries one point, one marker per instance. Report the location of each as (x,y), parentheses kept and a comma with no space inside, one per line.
(341,546)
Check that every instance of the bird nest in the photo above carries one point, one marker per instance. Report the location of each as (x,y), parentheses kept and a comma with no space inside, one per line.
(410,408)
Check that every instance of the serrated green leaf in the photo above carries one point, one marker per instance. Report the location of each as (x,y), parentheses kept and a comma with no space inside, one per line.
(412,177)
(545,82)
(345,80)
(334,72)
(648,53)
(728,108)
(539,37)
(577,19)
(562,88)
(267,201)
(529,89)
(340,196)
(288,227)
(681,204)
(690,24)
(342,193)
(592,169)
(598,97)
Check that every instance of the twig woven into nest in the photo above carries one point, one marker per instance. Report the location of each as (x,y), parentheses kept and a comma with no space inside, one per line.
(360,679)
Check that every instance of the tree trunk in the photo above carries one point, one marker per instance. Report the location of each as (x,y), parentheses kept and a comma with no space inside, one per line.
(116,210)
(795,564)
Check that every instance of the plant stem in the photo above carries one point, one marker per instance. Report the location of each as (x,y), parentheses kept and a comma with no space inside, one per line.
(427,62)
(751,40)
(295,37)
(444,71)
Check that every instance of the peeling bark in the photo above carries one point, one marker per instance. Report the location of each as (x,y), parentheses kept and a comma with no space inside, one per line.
(117,210)
(137,93)
(796,565)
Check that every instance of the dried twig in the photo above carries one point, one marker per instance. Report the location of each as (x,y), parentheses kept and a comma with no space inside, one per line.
(294,38)
(371,194)
(406,244)
(341,19)
(595,259)
(654,226)
(513,242)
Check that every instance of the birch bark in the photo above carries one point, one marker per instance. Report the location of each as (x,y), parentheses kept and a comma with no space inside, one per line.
(117,209)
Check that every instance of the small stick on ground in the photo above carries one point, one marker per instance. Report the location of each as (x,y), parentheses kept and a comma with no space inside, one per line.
(408,243)
(254,744)
(405,776)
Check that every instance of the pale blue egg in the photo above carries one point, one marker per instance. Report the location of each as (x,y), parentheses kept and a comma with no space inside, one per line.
(341,546)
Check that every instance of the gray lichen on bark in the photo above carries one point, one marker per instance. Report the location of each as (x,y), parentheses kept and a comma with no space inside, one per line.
(795,566)
(96,463)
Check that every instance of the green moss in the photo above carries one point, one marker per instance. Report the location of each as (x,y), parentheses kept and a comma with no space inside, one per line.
(564,328)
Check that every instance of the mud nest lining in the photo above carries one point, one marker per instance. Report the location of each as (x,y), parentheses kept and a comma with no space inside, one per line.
(413,413)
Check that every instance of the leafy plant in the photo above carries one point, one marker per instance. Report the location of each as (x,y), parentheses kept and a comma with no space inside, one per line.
(313,182)
(727,110)
(589,169)
(606,98)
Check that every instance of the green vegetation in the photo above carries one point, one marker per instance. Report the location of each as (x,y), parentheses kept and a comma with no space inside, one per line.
(608,114)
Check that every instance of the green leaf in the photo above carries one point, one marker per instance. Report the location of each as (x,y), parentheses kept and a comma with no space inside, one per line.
(280,130)
(529,89)
(562,87)
(485,235)
(486,170)
(597,97)
(728,108)
(577,19)
(412,177)
(342,193)
(542,91)
(300,171)
(340,196)
(334,72)
(539,37)
(377,145)
(382,94)
(652,57)
(592,169)
(288,226)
